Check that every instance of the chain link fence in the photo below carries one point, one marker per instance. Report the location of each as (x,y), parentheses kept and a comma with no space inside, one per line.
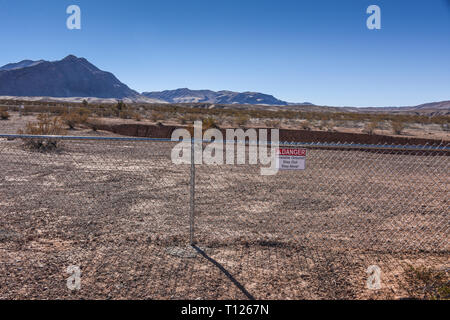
(126,215)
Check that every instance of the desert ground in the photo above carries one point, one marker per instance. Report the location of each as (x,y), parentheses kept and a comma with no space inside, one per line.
(120,211)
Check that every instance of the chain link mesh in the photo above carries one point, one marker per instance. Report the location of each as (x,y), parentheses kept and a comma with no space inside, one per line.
(120,210)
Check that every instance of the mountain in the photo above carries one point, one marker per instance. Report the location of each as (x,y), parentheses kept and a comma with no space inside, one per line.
(440,108)
(74,77)
(442,105)
(182,95)
(21,64)
(186,95)
(69,77)
(432,108)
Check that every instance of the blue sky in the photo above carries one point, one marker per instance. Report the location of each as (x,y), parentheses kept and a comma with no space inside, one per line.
(319,51)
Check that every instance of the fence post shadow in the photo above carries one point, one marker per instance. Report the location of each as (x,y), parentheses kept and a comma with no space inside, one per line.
(225,271)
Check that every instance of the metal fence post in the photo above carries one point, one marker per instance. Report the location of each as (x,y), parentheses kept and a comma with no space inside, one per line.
(192,199)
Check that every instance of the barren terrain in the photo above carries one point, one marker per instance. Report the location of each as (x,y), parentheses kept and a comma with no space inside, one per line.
(120,211)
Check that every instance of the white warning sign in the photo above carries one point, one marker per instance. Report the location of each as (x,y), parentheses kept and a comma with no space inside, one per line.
(291,159)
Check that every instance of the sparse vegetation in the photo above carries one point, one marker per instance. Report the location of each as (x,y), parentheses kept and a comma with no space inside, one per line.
(74,118)
(94,124)
(157,116)
(126,114)
(242,120)
(273,124)
(235,116)
(110,110)
(305,125)
(370,127)
(397,127)
(329,125)
(182,119)
(46,125)
(4,115)
(137,117)
(209,123)
(426,283)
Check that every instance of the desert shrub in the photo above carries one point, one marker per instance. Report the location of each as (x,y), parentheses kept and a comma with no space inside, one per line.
(325,125)
(94,124)
(121,105)
(318,125)
(329,125)
(242,120)
(397,127)
(45,126)
(208,123)
(193,117)
(121,110)
(273,124)
(305,125)
(58,108)
(157,116)
(126,114)
(4,115)
(106,112)
(182,119)
(83,111)
(370,127)
(426,283)
(74,118)
(137,116)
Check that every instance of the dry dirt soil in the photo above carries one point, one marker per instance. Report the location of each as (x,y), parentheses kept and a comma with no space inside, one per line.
(120,211)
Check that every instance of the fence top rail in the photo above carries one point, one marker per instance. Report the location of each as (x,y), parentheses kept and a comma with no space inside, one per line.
(442,146)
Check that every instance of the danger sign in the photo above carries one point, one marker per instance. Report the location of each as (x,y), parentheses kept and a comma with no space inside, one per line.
(291,159)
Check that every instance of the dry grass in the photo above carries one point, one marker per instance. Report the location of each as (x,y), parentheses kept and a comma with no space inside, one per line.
(108,110)
(239,116)
(157,116)
(272,124)
(120,211)
(75,118)
(4,115)
(397,127)
(137,117)
(329,125)
(45,125)
(305,125)
(209,123)
(370,127)
(94,124)
(242,119)
(427,283)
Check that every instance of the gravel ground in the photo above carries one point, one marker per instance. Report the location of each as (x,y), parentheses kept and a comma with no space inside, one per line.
(120,211)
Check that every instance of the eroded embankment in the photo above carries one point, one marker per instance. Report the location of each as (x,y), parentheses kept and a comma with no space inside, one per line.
(162,131)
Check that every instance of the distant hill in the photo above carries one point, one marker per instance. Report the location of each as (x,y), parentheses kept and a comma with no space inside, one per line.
(69,77)
(186,95)
(21,64)
(74,79)
(429,109)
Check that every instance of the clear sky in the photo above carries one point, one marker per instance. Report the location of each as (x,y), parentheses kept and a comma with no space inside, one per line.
(318,51)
